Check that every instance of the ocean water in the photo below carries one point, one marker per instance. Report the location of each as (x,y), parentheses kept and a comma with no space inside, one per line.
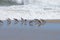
(27,2)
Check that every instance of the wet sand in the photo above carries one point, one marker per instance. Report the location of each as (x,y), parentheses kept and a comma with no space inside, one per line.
(29,34)
(24,34)
(54,21)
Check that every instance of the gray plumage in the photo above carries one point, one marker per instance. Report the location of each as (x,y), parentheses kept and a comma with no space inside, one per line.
(1,22)
(23,21)
(37,22)
(31,22)
(9,21)
(42,21)
(16,20)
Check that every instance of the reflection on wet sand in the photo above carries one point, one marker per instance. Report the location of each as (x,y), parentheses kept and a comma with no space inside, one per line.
(34,22)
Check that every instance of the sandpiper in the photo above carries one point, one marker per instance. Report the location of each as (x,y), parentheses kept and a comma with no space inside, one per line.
(31,22)
(37,22)
(16,20)
(23,21)
(42,21)
(9,21)
(1,22)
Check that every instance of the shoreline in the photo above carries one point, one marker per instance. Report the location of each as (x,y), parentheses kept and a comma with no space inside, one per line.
(53,21)
(46,20)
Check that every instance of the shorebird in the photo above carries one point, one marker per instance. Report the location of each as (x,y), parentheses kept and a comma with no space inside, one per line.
(42,21)
(16,20)
(31,22)
(1,22)
(37,22)
(23,21)
(9,21)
